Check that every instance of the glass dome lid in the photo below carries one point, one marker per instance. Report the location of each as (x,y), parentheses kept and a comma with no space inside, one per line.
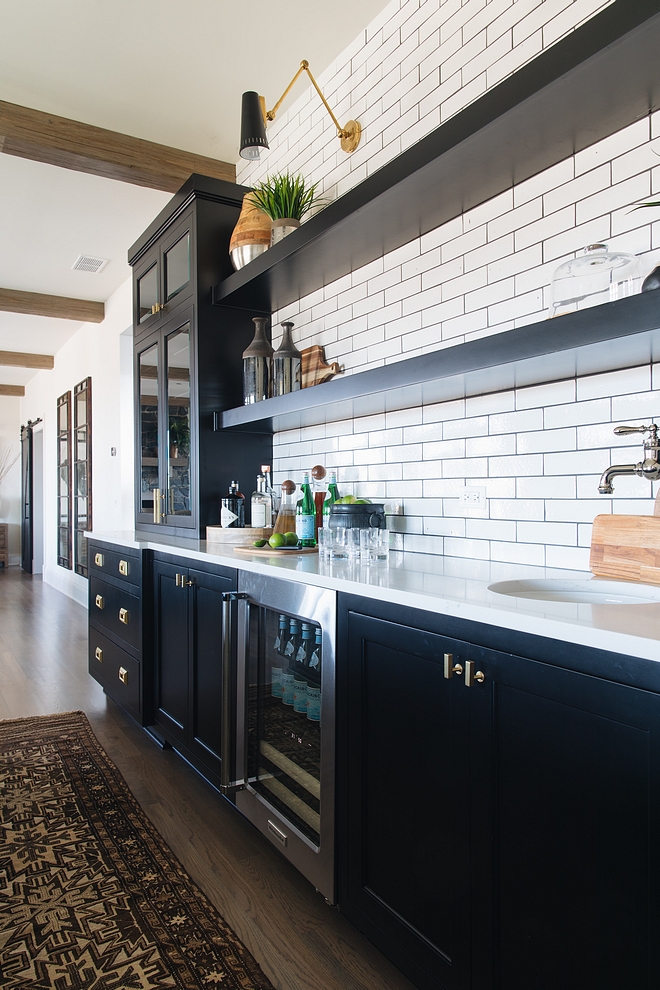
(597,276)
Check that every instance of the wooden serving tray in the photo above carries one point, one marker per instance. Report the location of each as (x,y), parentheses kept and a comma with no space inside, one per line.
(626,547)
(276,551)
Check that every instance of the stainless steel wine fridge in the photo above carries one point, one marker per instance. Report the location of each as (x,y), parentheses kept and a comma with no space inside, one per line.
(285,715)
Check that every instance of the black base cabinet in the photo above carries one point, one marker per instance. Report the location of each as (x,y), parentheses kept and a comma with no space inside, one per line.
(187,658)
(502,836)
(116,623)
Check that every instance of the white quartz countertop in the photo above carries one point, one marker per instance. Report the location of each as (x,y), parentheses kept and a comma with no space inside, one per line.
(445,585)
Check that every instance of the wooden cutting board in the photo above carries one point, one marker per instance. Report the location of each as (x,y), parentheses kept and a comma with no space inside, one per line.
(626,547)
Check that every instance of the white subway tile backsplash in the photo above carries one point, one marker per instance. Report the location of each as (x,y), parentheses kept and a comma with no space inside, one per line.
(540,450)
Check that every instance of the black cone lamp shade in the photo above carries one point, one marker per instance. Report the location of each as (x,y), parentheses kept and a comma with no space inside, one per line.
(253,130)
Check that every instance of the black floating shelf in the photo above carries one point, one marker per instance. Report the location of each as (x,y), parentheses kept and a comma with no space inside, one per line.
(621,334)
(598,79)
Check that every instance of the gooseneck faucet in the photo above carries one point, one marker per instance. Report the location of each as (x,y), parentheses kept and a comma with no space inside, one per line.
(649,468)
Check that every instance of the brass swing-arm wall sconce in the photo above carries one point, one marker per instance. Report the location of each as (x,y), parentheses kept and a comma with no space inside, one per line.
(255,117)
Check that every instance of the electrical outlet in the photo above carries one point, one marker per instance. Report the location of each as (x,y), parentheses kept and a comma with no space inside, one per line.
(473,501)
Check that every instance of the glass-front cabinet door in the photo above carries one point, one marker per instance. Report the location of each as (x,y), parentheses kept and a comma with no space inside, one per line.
(165,428)
(177,384)
(148,374)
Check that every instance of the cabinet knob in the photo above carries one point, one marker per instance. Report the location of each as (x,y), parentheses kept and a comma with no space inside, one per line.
(123,675)
(98,559)
(123,615)
(98,653)
(99,601)
(472,675)
(451,668)
(123,567)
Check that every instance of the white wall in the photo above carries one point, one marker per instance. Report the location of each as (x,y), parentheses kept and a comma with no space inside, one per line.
(93,351)
(10,490)
(538,452)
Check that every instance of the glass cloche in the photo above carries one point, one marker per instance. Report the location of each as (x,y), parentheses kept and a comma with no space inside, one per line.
(597,276)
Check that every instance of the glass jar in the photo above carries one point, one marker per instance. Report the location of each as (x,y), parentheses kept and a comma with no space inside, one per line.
(597,276)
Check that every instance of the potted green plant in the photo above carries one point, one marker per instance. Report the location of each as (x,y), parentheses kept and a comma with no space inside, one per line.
(179,437)
(286,199)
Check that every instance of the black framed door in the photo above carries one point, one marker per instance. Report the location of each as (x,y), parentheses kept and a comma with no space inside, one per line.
(27,536)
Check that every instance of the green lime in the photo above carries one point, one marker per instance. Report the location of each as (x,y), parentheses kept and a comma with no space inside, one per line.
(260,543)
(277,540)
(291,539)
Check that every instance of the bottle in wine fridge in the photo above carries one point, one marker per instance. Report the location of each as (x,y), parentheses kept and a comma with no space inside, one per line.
(277,667)
(290,650)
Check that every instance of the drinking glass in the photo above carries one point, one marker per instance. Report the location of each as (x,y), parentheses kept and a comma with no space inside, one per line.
(340,544)
(324,541)
(374,544)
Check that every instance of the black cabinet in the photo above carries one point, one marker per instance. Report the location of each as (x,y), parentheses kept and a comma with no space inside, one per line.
(116,655)
(188,651)
(500,835)
(188,364)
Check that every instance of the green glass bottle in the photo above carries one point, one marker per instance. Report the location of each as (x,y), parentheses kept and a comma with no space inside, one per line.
(331,497)
(305,514)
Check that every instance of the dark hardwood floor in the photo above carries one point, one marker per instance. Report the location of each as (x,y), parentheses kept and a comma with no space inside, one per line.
(300,942)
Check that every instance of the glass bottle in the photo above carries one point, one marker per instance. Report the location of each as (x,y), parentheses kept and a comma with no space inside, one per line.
(305,515)
(290,650)
(315,658)
(276,669)
(305,648)
(232,508)
(261,512)
(331,497)
(286,517)
(257,364)
(287,371)
(274,499)
(320,491)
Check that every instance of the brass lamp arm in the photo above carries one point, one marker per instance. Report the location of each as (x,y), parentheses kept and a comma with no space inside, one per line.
(304,67)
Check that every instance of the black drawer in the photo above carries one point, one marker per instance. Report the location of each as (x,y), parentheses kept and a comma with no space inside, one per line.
(116,671)
(117,610)
(119,565)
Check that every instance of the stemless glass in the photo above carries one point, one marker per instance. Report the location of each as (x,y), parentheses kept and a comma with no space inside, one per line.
(339,546)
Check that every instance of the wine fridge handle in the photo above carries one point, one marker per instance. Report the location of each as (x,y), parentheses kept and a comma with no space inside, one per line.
(232,657)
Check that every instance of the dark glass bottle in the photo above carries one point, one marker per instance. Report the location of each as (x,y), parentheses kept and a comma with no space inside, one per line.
(330,498)
(315,658)
(232,508)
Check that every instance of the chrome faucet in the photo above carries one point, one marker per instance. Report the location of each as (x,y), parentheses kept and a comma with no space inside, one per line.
(649,468)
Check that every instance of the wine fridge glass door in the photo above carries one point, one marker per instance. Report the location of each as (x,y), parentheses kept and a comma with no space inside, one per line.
(286,721)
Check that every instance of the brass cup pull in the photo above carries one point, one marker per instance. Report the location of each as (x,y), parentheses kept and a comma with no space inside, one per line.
(98,559)
(98,653)
(99,601)
(123,675)
(123,567)
(452,668)
(472,675)
(123,615)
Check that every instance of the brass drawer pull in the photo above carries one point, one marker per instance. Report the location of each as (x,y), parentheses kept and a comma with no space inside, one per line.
(98,559)
(123,567)
(98,653)
(182,582)
(472,675)
(99,601)
(451,668)
(123,615)
(123,675)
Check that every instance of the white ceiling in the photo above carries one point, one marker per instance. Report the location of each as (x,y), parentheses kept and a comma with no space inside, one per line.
(165,70)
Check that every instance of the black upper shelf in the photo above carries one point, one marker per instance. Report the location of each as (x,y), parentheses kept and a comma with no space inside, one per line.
(598,79)
(621,334)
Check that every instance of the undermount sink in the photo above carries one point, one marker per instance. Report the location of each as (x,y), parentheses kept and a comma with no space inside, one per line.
(592,591)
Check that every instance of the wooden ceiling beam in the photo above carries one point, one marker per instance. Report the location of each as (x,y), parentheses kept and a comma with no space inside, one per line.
(18,359)
(43,137)
(12,389)
(60,307)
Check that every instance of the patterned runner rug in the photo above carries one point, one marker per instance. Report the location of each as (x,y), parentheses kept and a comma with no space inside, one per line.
(91,897)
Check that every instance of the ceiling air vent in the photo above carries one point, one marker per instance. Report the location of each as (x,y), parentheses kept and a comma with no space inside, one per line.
(85,263)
